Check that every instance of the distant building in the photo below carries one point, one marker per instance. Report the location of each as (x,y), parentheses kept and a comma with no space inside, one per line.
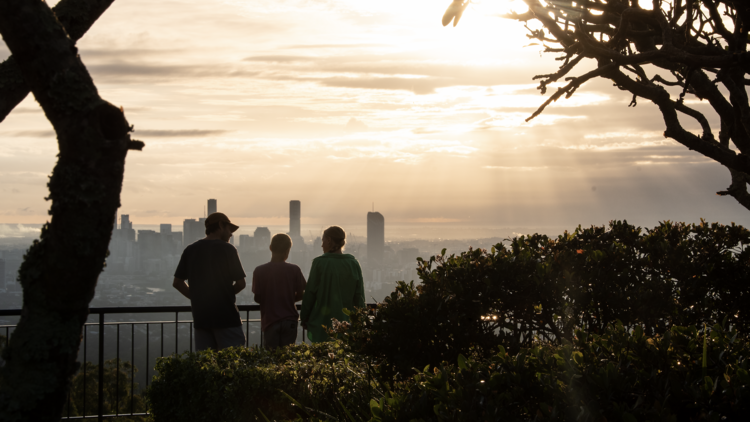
(408,256)
(126,228)
(294,219)
(193,230)
(262,238)
(165,228)
(317,246)
(246,242)
(2,274)
(212,206)
(375,238)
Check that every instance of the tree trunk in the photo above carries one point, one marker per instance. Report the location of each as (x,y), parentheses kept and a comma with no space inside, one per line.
(76,16)
(60,271)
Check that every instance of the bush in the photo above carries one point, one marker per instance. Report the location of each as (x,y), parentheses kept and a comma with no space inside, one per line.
(240,384)
(599,324)
(117,391)
(540,287)
(615,376)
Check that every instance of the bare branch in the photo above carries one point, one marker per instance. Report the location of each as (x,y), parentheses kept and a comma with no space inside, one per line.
(571,87)
(76,16)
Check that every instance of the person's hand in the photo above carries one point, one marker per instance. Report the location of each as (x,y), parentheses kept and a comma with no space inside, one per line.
(304,325)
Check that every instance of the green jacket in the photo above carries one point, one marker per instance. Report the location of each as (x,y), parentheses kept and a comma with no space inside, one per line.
(335,283)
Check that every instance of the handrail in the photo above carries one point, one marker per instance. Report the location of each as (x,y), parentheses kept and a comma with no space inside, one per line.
(139,309)
(102,311)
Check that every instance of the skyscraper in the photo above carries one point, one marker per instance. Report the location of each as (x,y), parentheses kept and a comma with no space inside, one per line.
(165,229)
(375,238)
(126,226)
(2,273)
(294,219)
(212,206)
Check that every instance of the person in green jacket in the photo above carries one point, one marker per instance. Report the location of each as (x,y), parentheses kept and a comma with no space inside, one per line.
(335,284)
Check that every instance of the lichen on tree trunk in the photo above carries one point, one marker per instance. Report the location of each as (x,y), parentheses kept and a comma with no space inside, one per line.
(60,270)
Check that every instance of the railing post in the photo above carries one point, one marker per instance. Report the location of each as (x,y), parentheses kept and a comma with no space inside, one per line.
(101,366)
(176,333)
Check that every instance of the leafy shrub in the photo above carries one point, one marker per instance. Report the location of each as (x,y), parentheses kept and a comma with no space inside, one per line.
(116,388)
(546,288)
(616,376)
(323,381)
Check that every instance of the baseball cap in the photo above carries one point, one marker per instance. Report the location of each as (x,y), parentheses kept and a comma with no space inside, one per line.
(219,217)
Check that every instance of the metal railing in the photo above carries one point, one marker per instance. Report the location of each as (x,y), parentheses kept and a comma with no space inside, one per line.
(101,325)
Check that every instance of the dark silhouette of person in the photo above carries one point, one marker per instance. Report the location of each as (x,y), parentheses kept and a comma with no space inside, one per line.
(214,276)
(277,285)
(335,284)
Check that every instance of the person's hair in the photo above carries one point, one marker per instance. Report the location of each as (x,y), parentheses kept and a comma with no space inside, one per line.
(212,228)
(337,236)
(281,243)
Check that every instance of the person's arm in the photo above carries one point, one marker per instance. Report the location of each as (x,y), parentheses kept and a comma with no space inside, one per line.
(309,297)
(181,287)
(359,291)
(299,292)
(239,285)
(258,297)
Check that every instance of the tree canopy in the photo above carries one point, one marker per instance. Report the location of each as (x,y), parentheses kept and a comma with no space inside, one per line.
(664,52)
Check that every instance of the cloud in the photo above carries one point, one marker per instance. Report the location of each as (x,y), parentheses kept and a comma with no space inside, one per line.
(32,134)
(354,125)
(329,46)
(415,85)
(278,59)
(182,133)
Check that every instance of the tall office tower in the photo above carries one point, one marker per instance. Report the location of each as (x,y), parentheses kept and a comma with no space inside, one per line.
(294,217)
(375,238)
(211,206)
(165,228)
(127,228)
(2,273)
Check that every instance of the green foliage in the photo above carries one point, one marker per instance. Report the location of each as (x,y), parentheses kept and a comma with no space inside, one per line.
(321,381)
(602,324)
(615,376)
(543,289)
(117,390)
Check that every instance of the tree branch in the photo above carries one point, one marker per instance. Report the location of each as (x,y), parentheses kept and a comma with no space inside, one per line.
(76,16)
(571,87)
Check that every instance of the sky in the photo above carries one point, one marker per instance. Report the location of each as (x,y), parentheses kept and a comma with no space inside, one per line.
(350,105)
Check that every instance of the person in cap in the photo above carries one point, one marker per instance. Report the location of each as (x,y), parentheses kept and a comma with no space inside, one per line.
(214,275)
(277,285)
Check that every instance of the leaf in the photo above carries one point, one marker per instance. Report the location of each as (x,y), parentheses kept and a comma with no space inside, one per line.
(348,415)
(578,357)
(455,10)
(263,415)
(638,332)
(459,13)
(705,351)
(296,403)
(450,13)
(462,362)
(375,408)
(627,417)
